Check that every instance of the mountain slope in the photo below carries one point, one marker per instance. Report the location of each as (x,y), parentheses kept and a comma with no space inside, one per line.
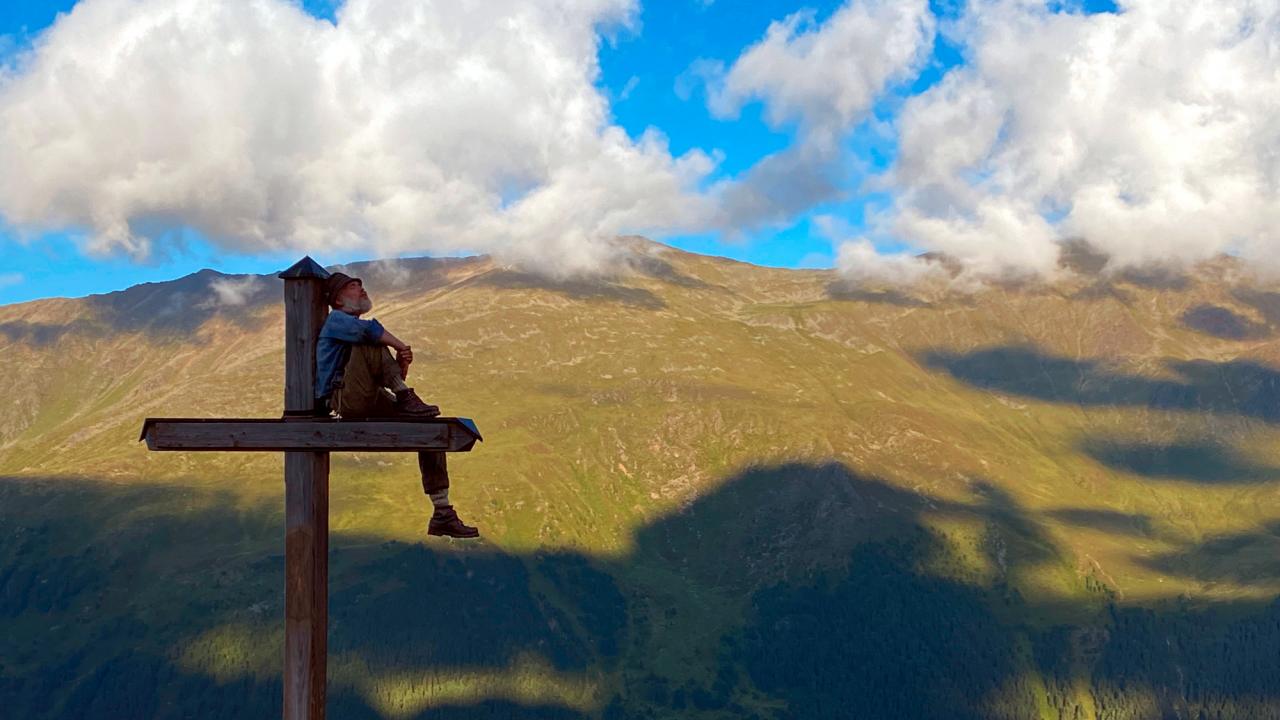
(706,487)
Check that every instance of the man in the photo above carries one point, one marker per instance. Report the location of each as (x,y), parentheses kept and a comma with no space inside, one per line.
(356,377)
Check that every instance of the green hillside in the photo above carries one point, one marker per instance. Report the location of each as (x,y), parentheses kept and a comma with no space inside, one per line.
(707,489)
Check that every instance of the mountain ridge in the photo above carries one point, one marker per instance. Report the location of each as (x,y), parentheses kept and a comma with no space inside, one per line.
(679,462)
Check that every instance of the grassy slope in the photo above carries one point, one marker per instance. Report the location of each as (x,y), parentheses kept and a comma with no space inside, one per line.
(1033,429)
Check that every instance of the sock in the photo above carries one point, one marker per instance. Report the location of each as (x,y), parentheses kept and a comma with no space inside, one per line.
(440,498)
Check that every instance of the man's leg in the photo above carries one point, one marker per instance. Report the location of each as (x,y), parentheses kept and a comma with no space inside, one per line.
(435,483)
(435,477)
(361,393)
(369,379)
(406,402)
(389,370)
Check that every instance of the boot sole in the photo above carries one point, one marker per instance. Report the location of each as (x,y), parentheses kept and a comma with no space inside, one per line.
(442,533)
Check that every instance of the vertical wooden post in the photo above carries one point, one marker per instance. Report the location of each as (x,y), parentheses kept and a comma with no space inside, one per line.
(306,478)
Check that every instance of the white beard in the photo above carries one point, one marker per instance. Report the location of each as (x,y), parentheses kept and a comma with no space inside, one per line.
(359,307)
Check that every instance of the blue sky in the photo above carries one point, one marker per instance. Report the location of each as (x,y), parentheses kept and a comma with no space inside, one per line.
(646,76)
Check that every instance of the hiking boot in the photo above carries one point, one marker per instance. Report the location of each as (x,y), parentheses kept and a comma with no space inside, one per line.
(445,521)
(408,403)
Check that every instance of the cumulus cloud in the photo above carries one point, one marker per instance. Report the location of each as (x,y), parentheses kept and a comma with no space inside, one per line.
(404,126)
(824,78)
(234,291)
(827,76)
(1153,133)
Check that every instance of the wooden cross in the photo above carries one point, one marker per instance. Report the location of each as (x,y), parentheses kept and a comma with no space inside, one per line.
(306,441)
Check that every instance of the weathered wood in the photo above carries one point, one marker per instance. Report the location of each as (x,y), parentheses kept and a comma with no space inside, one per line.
(263,435)
(306,590)
(304,313)
(306,503)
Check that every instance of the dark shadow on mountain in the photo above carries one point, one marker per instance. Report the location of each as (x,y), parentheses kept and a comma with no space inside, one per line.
(178,308)
(1222,323)
(1241,557)
(577,289)
(173,309)
(1103,290)
(142,684)
(413,273)
(1265,302)
(105,605)
(1111,522)
(111,597)
(1200,462)
(659,269)
(1079,256)
(1234,387)
(883,296)
(43,334)
(470,610)
(1155,278)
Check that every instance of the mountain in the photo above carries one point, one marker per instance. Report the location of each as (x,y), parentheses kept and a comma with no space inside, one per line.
(707,489)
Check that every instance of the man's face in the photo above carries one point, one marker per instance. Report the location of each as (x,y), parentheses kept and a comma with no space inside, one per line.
(353,299)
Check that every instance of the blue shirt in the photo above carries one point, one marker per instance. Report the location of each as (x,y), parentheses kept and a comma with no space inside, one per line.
(339,333)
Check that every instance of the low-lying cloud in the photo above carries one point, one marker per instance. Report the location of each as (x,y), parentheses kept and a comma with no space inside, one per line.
(1152,133)
(403,126)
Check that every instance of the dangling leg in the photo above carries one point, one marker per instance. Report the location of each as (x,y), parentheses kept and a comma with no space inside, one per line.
(435,483)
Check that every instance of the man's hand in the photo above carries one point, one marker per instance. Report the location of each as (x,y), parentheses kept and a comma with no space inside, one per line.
(404,357)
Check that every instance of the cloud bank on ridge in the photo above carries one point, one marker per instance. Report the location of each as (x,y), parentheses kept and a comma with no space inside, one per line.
(1153,133)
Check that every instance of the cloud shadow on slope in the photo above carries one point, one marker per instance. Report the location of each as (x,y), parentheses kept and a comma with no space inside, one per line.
(40,334)
(852,602)
(1112,522)
(1235,387)
(1265,302)
(599,290)
(175,309)
(843,291)
(1235,557)
(1222,323)
(1202,462)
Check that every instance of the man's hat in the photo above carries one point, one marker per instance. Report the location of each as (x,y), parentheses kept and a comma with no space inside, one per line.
(334,284)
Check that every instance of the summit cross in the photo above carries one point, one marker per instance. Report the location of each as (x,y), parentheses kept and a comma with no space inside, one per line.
(306,441)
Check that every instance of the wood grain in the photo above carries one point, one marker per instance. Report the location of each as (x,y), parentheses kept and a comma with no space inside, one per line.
(257,435)
(306,590)
(304,315)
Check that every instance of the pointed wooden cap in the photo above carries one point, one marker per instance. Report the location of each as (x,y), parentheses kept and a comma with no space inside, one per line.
(305,268)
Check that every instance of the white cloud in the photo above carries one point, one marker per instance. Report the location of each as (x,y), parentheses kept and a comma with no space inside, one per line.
(11,279)
(405,126)
(1153,133)
(862,265)
(234,291)
(825,78)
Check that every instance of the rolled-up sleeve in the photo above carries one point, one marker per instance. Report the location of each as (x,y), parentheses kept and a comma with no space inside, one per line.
(350,329)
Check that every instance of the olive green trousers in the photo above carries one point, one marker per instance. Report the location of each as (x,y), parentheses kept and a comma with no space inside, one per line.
(367,389)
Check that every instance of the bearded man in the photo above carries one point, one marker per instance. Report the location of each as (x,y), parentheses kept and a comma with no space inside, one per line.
(357,377)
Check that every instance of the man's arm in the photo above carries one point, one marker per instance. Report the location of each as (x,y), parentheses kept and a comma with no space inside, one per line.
(404,354)
(392,341)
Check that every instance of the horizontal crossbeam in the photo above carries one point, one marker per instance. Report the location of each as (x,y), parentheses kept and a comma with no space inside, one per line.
(443,434)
